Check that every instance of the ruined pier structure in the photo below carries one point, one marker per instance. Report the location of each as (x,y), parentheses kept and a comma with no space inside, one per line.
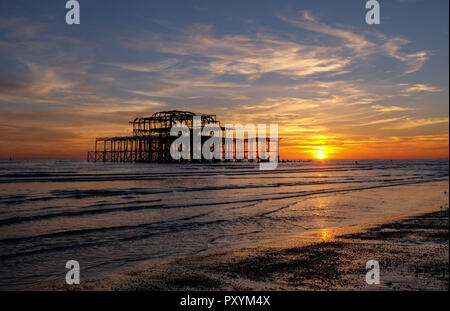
(151,141)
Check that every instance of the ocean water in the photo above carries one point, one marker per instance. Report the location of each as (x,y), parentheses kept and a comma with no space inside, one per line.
(109,216)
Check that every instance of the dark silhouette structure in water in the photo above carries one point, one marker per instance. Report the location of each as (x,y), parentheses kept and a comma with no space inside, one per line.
(151,140)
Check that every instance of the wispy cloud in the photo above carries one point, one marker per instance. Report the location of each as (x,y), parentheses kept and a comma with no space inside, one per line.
(413,61)
(409,123)
(243,55)
(154,67)
(354,41)
(391,108)
(381,121)
(360,44)
(410,88)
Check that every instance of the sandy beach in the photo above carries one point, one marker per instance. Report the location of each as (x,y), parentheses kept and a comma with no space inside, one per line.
(413,253)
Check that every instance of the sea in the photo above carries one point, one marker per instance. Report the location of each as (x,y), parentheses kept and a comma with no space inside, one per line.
(111,216)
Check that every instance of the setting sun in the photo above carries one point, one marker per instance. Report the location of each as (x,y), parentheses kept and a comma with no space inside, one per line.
(320,155)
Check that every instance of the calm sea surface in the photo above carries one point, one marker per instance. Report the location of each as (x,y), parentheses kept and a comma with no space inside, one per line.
(111,215)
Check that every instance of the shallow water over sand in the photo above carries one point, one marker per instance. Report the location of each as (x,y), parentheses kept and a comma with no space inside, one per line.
(110,215)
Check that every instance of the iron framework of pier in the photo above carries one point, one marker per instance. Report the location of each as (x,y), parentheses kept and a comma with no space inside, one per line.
(151,140)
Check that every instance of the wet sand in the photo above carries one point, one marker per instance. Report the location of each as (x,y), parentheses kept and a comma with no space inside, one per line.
(413,254)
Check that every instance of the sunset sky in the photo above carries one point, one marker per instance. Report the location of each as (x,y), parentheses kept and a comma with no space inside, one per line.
(334,84)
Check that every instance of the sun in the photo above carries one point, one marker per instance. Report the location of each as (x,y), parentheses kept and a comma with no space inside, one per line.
(320,155)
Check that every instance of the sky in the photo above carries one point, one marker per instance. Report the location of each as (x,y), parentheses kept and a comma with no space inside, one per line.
(331,82)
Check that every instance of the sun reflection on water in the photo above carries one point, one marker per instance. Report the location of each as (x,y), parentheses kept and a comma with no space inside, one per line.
(326,235)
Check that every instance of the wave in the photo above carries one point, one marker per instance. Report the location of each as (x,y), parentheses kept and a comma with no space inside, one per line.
(273,196)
